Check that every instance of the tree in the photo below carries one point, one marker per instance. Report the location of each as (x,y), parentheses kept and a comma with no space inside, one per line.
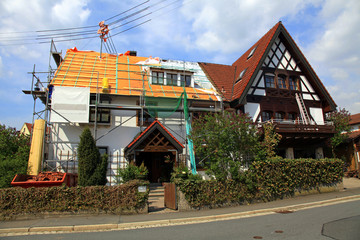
(269,142)
(225,143)
(92,166)
(14,154)
(340,119)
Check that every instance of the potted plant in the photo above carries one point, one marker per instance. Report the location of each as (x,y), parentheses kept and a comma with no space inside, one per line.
(181,171)
(141,172)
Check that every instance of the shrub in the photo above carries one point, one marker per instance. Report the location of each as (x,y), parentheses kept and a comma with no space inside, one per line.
(132,172)
(265,180)
(92,167)
(92,199)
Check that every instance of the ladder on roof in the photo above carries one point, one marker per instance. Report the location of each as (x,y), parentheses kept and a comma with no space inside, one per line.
(304,114)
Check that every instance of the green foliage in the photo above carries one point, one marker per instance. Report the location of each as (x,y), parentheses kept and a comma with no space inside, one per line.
(132,172)
(14,154)
(226,142)
(270,141)
(265,180)
(93,199)
(340,119)
(92,167)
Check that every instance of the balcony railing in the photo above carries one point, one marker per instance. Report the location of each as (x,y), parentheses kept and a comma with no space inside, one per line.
(293,126)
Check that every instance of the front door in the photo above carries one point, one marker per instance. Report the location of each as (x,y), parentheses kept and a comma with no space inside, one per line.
(159,164)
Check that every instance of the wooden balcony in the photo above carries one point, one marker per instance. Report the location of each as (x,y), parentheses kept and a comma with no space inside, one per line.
(297,126)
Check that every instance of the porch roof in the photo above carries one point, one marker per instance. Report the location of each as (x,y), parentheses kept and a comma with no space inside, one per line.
(146,133)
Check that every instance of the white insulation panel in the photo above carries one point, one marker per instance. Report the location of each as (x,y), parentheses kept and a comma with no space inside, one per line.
(71,103)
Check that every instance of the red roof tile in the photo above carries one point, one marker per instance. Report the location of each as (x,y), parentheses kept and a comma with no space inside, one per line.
(354,119)
(225,80)
(354,134)
(243,62)
(222,77)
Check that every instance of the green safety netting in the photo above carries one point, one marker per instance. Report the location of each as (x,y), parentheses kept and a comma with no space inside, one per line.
(165,107)
(162,107)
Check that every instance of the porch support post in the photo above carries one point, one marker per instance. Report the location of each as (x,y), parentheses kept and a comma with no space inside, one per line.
(319,153)
(290,153)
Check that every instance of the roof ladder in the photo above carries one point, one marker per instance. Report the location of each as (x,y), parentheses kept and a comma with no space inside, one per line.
(304,114)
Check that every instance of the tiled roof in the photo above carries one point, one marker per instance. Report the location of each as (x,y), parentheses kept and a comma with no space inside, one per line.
(354,119)
(148,129)
(251,63)
(243,62)
(222,77)
(354,134)
(125,76)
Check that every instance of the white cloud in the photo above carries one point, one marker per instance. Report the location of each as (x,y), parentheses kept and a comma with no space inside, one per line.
(25,17)
(234,25)
(335,51)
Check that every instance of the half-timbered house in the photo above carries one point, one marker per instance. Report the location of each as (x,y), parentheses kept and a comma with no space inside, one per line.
(273,81)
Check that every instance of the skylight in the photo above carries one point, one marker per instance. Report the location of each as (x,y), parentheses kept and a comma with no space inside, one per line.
(241,75)
(252,52)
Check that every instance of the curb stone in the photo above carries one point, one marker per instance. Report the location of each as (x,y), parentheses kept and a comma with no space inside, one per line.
(168,222)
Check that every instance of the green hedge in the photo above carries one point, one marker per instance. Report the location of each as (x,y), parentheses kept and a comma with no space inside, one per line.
(94,199)
(265,180)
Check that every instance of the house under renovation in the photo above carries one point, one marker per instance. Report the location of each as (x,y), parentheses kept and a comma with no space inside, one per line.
(141,108)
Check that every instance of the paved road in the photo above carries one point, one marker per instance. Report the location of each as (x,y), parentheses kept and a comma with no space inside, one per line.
(339,221)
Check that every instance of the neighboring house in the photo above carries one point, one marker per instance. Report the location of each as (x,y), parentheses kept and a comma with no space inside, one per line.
(26,129)
(142,110)
(351,148)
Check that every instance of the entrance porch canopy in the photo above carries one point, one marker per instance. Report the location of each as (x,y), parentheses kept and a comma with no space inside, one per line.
(155,138)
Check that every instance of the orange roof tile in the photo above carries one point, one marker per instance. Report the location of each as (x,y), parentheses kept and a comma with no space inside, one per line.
(125,76)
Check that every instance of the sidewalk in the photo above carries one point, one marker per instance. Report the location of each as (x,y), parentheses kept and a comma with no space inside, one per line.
(114,222)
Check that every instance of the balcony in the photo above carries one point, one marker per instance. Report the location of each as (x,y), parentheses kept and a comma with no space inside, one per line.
(298,126)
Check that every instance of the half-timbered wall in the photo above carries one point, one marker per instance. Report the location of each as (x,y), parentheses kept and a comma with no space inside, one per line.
(275,86)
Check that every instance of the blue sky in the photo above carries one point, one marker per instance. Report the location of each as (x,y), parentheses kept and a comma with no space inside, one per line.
(327,32)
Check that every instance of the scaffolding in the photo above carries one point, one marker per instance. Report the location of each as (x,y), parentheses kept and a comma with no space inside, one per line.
(66,161)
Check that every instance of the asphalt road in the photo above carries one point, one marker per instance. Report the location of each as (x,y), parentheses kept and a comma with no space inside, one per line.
(339,221)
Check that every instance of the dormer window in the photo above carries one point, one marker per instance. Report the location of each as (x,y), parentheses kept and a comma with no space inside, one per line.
(185,80)
(157,78)
(241,75)
(171,79)
(252,52)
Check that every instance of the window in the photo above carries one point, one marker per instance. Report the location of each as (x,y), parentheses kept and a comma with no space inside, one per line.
(292,116)
(103,150)
(171,79)
(103,115)
(147,119)
(185,80)
(241,75)
(266,116)
(252,52)
(279,116)
(269,81)
(293,83)
(157,78)
(281,81)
